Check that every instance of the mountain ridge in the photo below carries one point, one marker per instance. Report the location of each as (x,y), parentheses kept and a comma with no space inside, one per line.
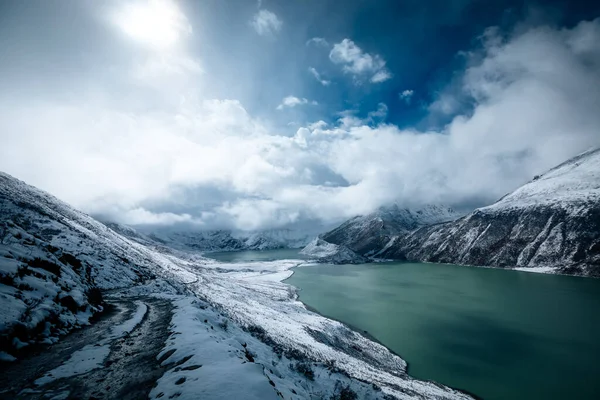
(550,224)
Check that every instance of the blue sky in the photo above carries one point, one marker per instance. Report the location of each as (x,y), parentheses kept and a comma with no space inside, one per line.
(253,115)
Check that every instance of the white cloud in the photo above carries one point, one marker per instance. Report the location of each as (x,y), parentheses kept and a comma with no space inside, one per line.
(317,41)
(380,113)
(318,77)
(317,125)
(266,23)
(381,76)
(406,95)
(358,63)
(212,164)
(293,101)
(140,216)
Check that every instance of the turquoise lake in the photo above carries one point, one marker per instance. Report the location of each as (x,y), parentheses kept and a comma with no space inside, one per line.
(495,333)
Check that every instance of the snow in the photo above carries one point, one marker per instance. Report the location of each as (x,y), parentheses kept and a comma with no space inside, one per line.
(261,311)
(82,361)
(209,355)
(209,359)
(4,356)
(575,181)
(92,356)
(331,253)
(319,248)
(126,327)
(539,270)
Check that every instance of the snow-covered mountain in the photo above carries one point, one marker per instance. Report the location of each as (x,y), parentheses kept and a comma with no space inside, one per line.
(551,224)
(369,233)
(54,259)
(330,253)
(221,240)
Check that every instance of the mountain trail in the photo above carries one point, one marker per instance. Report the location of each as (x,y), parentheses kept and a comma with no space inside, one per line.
(114,358)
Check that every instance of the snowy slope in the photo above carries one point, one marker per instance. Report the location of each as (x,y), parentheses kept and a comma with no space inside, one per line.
(551,224)
(51,259)
(571,184)
(266,323)
(369,233)
(330,253)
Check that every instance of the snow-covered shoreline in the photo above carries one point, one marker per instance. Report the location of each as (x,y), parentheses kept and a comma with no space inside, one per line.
(265,301)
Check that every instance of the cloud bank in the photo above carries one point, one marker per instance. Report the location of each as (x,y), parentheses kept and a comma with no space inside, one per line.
(532,102)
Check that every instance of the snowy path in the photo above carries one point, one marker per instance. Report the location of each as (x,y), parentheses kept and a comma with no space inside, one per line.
(115,358)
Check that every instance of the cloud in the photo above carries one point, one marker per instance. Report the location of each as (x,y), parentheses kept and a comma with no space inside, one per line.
(381,76)
(172,66)
(266,23)
(380,113)
(406,95)
(211,163)
(358,63)
(317,41)
(140,216)
(317,125)
(293,101)
(318,77)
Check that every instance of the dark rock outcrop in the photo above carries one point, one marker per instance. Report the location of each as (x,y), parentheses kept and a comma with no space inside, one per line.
(368,234)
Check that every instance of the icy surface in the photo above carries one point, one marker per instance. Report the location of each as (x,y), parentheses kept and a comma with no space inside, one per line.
(92,356)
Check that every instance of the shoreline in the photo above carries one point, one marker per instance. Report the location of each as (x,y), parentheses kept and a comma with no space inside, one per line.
(368,335)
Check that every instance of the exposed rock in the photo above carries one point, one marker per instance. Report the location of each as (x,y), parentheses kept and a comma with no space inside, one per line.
(332,253)
(370,233)
(551,223)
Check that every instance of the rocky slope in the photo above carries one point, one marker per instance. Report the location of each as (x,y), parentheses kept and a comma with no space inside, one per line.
(53,261)
(330,253)
(552,222)
(369,233)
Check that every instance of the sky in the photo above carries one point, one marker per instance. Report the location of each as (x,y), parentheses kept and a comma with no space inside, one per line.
(254,115)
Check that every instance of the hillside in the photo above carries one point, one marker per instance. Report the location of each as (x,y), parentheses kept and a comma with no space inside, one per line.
(367,234)
(238,322)
(551,223)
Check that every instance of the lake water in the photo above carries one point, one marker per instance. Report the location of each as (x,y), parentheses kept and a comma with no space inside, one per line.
(498,334)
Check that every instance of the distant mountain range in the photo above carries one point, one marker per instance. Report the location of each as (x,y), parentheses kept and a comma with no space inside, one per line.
(551,224)
(221,240)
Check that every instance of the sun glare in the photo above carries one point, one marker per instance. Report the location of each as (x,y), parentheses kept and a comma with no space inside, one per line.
(156,23)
